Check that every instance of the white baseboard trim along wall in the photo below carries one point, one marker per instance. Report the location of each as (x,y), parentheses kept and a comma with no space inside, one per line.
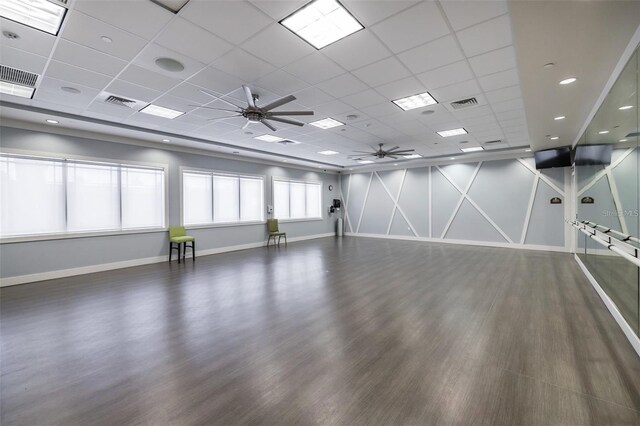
(463,242)
(626,329)
(50,275)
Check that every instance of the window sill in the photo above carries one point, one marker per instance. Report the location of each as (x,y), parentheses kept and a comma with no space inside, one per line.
(73,235)
(304,219)
(224,225)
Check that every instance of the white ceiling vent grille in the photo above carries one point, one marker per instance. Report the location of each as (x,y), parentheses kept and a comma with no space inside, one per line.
(16,76)
(116,100)
(464,103)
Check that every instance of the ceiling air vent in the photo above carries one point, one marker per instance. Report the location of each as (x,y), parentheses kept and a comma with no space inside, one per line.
(464,103)
(287,142)
(492,142)
(116,100)
(16,76)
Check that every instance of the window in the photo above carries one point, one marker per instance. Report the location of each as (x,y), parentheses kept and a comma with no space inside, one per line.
(297,200)
(216,198)
(53,196)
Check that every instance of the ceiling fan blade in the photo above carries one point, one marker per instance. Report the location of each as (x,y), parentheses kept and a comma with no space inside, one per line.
(247,93)
(364,152)
(277,103)
(247,124)
(392,149)
(272,114)
(269,125)
(220,99)
(284,120)
(217,109)
(391,156)
(402,151)
(222,118)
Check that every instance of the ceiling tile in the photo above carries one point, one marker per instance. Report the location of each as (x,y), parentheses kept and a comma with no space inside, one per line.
(77,75)
(462,14)
(176,103)
(495,61)
(279,9)
(412,27)
(343,85)
(364,99)
(507,105)
(90,59)
(22,60)
(243,65)
(277,46)
(333,108)
(447,75)
(30,40)
(114,112)
(367,46)
(399,89)
(314,68)
(190,40)
(143,77)
(432,55)
(132,91)
(487,36)
(142,18)
(504,94)
(311,97)
(87,31)
(381,110)
(234,21)
(510,114)
(370,12)
(190,92)
(382,72)
(49,90)
(456,91)
(500,80)
(213,79)
(281,83)
(146,59)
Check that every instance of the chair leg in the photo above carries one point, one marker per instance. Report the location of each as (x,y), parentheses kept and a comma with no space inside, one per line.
(170,250)
(179,253)
(279,237)
(184,251)
(193,250)
(285,240)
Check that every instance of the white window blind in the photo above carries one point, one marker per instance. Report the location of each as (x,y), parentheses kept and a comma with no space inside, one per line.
(297,200)
(52,196)
(213,198)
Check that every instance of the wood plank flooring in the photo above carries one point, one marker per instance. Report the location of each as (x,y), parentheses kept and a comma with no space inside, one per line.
(348,331)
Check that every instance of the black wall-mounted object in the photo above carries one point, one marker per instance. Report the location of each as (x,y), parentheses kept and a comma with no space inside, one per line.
(337,203)
(587,200)
(556,200)
(558,157)
(591,155)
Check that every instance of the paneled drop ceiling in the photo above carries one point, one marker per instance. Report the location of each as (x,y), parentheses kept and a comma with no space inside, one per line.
(452,49)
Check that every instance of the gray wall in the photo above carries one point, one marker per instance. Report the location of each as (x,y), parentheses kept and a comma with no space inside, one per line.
(428,202)
(25,258)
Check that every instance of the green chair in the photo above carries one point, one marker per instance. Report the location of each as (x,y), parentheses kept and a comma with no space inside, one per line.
(177,237)
(274,231)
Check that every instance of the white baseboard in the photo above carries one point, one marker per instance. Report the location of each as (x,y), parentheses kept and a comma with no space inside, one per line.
(463,242)
(62,273)
(626,329)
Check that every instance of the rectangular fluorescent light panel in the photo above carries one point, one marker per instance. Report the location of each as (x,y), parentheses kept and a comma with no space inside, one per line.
(327,123)
(416,101)
(328,152)
(321,23)
(269,138)
(412,156)
(365,162)
(452,132)
(16,90)
(472,149)
(39,14)
(161,111)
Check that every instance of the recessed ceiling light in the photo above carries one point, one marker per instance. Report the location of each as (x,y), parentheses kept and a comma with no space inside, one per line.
(568,80)
(412,156)
(169,64)
(39,14)
(472,149)
(622,140)
(352,117)
(161,111)
(560,117)
(321,23)
(16,90)
(452,132)
(395,164)
(603,132)
(416,101)
(71,90)
(554,138)
(452,158)
(166,140)
(327,123)
(328,152)
(106,39)
(52,121)
(269,138)
(549,65)
(10,35)
(527,150)
(622,108)
(284,161)
(365,161)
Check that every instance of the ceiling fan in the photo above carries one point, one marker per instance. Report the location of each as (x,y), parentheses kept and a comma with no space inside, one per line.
(258,114)
(382,153)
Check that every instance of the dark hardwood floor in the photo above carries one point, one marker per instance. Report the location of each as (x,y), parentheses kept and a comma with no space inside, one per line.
(341,332)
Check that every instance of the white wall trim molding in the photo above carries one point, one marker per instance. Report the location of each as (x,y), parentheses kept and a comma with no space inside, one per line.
(63,273)
(395,202)
(542,177)
(364,203)
(527,218)
(463,242)
(626,329)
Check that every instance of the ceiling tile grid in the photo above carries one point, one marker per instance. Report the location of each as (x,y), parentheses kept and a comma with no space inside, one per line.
(406,48)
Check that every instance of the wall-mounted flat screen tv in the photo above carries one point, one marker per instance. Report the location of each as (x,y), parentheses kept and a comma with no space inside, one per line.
(558,157)
(589,155)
